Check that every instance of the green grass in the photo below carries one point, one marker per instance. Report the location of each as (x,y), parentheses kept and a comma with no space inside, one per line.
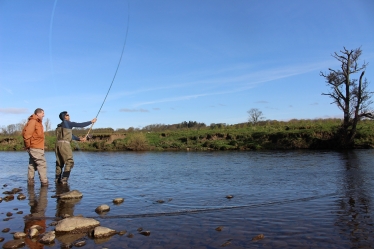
(269,135)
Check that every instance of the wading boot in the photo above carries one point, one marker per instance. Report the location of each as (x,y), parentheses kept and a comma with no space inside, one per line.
(30,182)
(44,184)
(64,180)
(58,179)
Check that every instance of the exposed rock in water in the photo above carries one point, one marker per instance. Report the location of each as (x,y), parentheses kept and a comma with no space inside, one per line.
(14,244)
(67,239)
(228,242)
(19,235)
(5,230)
(145,233)
(258,237)
(219,229)
(1,239)
(102,208)
(48,238)
(101,232)
(33,232)
(80,243)
(9,197)
(76,225)
(21,197)
(74,194)
(118,200)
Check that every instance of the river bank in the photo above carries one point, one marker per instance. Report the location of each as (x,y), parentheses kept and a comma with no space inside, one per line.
(269,136)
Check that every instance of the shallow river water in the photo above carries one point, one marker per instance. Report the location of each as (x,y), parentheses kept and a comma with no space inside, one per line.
(296,199)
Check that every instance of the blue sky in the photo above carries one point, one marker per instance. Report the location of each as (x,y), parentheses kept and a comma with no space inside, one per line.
(206,61)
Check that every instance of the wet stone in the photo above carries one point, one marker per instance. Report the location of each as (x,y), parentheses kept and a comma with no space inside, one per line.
(75,224)
(6,219)
(48,238)
(102,208)
(1,239)
(122,232)
(74,194)
(258,237)
(14,244)
(1,199)
(130,235)
(145,233)
(101,232)
(219,229)
(118,200)
(80,243)
(20,212)
(33,232)
(9,198)
(5,230)
(19,235)
(21,197)
(9,214)
(228,242)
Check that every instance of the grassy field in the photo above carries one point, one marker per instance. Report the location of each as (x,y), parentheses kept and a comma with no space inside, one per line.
(269,135)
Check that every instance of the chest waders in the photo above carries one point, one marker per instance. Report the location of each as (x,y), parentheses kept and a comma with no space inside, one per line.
(64,154)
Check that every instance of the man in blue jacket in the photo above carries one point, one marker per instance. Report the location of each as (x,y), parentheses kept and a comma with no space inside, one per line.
(64,154)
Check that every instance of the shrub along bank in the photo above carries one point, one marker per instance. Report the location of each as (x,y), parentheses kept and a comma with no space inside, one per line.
(273,135)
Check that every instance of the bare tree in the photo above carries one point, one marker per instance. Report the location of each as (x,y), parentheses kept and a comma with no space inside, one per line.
(47,124)
(255,115)
(352,96)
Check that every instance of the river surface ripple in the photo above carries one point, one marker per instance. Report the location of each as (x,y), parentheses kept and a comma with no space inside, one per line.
(296,199)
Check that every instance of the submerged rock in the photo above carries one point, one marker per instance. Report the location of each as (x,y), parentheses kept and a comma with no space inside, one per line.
(101,232)
(118,200)
(102,208)
(76,225)
(14,244)
(68,239)
(145,233)
(258,237)
(228,242)
(19,235)
(48,238)
(9,197)
(219,229)
(74,194)
(80,243)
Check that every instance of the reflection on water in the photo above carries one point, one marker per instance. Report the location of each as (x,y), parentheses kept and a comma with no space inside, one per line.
(297,199)
(355,215)
(38,206)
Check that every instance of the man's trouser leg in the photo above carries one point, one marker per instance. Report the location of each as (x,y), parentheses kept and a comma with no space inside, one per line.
(59,163)
(38,162)
(67,155)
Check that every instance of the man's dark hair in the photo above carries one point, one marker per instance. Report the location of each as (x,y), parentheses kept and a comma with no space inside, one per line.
(38,110)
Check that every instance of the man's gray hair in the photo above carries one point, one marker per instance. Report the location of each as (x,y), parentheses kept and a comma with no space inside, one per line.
(38,110)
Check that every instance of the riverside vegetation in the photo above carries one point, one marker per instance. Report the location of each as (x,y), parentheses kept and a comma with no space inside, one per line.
(265,135)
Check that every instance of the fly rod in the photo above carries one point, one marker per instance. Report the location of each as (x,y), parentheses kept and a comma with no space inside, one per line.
(115,74)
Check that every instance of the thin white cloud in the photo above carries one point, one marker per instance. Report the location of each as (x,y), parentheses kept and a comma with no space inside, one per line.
(133,110)
(13,110)
(246,81)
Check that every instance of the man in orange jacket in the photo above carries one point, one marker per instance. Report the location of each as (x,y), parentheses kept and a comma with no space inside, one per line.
(33,137)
